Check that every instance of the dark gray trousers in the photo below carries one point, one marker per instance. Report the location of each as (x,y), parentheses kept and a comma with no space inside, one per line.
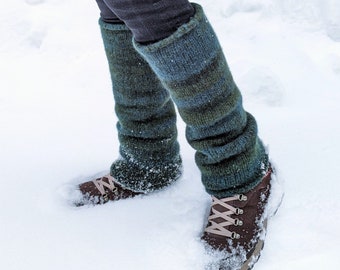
(149,20)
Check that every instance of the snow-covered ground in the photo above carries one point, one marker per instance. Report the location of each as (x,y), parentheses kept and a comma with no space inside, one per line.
(58,126)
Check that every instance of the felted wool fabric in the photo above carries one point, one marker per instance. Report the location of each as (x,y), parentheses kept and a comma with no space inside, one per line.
(191,65)
(146,117)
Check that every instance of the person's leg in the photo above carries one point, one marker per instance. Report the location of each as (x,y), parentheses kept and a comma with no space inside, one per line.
(146,120)
(191,65)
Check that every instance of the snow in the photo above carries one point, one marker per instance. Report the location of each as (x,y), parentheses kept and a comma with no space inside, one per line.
(58,127)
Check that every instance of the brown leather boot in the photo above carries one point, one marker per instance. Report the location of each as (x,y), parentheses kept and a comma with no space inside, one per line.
(102,190)
(237,225)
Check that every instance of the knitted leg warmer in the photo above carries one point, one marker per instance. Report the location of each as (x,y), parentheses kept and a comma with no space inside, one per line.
(147,121)
(191,65)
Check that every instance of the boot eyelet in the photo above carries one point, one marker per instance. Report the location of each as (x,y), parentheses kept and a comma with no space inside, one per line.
(105,198)
(235,235)
(238,222)
(242,198)
(239,211)
(115,190)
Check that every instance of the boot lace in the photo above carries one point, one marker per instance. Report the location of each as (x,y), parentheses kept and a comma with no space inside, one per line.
(101,184)
(220,228)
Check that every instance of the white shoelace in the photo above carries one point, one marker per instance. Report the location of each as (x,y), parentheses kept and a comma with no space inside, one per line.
(101,184)
(220,227)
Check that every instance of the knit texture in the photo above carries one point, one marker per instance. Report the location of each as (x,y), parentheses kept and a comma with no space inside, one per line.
(191,65)
(146,117)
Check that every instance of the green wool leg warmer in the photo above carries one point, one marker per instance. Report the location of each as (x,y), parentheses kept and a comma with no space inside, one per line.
(191,65)
(146,117)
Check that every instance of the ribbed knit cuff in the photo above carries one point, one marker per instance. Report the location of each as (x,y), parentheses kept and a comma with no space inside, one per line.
(189,41)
